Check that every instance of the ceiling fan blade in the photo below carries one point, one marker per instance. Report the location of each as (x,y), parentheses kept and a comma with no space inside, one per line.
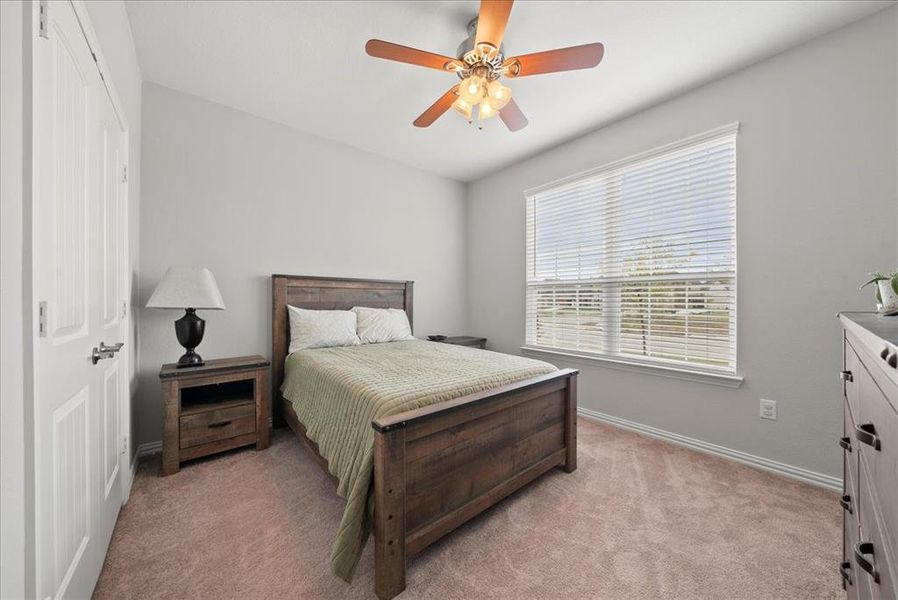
(491,21)
(512,116)
(436,110)
(551,61)
(412,56)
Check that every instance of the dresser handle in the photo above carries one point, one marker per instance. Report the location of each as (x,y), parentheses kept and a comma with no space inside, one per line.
(892,360)
(845,501)
(845,442)
(846,376)
(845,572)
(866,433)
(861,550)
(885,353)
(219,424)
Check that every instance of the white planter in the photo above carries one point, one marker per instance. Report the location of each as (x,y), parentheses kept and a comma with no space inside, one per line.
(888,298)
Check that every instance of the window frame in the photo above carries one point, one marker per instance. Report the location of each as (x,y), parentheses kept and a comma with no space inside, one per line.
(656,366)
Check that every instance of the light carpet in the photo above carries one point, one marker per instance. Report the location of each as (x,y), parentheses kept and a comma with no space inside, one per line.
(640,518)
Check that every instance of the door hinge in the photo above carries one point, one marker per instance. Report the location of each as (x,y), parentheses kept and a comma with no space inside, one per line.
(125,445)
(124,173)
(42,20)
(42,318)
(124,308)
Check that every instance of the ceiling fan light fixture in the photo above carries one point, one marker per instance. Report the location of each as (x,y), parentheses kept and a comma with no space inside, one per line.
(480,61)
(463,108)
(471,89)
(499,94)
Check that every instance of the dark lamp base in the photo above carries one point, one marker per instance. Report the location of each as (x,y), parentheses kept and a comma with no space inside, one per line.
(190,359)
(190,329)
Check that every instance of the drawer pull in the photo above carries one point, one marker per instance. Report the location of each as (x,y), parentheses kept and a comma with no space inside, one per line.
(845,572)
(885,353)
(219,424)
(892,360)
(861,551)
(867,433)
(846,376)
(845,442)
(845,501)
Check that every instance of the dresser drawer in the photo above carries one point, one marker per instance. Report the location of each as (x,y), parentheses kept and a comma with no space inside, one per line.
(850,454)
(209,426)
(872,547)
(876,440)
(850,526)
(849,499)
(852,383)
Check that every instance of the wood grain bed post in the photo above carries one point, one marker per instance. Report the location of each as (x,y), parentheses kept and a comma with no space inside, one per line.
(570,424)
(409,301)
(389,512)
(278,345)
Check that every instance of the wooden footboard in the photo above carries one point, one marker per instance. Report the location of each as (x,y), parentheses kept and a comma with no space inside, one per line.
(439,466)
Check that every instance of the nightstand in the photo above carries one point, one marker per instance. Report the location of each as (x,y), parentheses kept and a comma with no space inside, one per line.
(466,340)
(218,406)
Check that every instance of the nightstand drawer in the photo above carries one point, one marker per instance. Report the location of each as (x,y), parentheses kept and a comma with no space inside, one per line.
(213,425)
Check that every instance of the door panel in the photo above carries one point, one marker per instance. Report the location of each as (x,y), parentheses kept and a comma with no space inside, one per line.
(111,422)
(111,250)
(71,485)
(71,100)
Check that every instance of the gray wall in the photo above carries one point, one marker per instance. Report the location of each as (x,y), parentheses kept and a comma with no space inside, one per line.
(816,211)
(247,197)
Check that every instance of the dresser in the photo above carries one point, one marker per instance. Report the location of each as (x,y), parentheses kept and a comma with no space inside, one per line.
(870,448)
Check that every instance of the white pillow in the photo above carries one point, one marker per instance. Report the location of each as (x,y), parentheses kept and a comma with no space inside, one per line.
(321,328)
(377,325)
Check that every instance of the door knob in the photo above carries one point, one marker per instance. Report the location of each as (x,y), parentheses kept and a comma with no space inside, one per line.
(113,348)
(97,355)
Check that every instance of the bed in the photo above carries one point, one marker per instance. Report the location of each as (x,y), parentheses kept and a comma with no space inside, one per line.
(474,428)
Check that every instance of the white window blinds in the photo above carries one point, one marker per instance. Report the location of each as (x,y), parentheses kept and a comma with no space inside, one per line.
(636,260)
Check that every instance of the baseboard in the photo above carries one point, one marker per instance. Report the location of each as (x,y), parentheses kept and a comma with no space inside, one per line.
(132,473)
(149,448)
(819,479)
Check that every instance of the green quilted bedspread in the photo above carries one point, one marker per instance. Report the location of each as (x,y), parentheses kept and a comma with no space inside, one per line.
(337,392)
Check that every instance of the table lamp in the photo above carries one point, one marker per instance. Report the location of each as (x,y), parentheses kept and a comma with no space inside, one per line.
(189,288)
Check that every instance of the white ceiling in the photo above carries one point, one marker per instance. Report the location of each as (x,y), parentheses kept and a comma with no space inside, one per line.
(303,64)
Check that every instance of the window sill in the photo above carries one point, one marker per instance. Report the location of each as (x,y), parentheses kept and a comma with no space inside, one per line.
(729,381)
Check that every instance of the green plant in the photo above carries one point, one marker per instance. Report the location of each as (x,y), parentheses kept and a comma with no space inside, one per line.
(876,277)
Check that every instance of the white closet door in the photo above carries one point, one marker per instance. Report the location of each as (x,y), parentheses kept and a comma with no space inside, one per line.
(110,251)
(78,247)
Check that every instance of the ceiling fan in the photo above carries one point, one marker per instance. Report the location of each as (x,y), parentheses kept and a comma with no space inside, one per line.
(481,63)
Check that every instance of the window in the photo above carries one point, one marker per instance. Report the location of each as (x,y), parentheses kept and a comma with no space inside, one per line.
(636,261)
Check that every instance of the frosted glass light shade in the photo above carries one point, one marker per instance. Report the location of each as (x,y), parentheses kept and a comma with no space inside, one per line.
(499,94)
(187,287)
(462,108)
(486,110)
(471,89)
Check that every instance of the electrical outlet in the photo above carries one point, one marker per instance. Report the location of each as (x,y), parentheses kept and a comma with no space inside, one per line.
(768,409)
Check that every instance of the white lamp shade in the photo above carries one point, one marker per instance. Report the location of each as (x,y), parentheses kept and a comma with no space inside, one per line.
(187,287)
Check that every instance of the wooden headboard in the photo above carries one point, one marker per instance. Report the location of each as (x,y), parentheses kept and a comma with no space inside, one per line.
(324,293)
